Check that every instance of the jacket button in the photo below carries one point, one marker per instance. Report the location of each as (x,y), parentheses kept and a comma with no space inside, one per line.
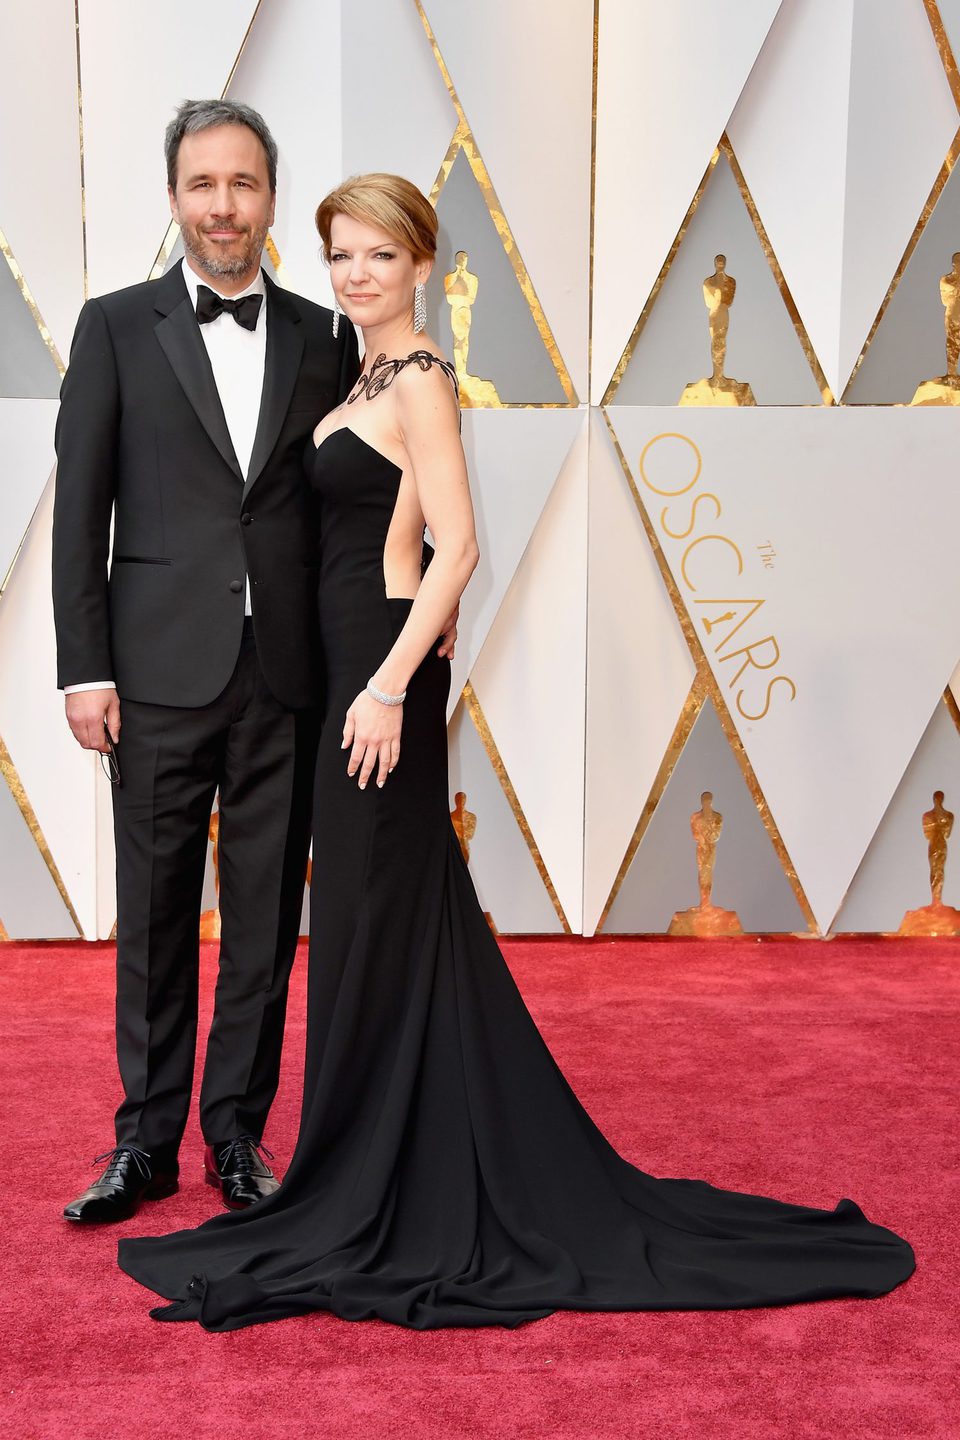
(236,586)
(246,518)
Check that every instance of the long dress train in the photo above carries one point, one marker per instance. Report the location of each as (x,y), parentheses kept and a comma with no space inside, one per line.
(445,1173)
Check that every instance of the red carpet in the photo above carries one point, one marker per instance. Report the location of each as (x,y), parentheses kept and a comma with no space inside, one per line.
(806,1071)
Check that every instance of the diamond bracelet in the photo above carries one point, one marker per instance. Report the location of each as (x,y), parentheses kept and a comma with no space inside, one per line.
(385,699)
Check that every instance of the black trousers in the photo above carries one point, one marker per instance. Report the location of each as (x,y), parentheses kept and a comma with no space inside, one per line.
(172,761)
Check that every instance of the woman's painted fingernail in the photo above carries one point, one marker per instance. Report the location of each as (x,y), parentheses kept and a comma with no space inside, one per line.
(363,784)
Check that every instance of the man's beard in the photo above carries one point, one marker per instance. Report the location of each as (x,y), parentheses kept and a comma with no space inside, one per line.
(219,264)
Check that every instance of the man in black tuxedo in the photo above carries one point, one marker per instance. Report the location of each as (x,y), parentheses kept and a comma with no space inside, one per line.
(185,415)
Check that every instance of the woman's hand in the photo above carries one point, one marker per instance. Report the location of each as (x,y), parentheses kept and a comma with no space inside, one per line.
(373,730)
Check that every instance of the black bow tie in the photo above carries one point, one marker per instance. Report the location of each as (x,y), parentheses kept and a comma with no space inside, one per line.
(245,311)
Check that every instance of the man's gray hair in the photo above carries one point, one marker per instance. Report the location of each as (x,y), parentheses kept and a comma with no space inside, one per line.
(196,115)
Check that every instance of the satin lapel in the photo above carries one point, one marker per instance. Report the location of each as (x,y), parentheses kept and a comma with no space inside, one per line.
(179,334)
(284,349)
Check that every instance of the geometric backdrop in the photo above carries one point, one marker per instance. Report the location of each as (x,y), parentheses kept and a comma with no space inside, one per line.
(689,582)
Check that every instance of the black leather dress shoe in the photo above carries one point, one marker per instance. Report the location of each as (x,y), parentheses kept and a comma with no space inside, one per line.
(239,1172)
(130,1175)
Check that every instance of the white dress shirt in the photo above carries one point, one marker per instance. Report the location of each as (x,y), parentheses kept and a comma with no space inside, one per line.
(238,359)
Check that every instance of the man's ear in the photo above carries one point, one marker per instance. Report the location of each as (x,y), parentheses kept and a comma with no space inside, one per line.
(174,208)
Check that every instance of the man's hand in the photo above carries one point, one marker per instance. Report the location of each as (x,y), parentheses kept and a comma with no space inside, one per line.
(87,713)
(449,640)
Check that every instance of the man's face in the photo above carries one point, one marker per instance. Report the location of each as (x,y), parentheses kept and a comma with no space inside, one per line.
(223,202)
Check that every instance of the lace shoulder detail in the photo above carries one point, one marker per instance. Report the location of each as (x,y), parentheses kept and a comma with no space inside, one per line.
(383,372)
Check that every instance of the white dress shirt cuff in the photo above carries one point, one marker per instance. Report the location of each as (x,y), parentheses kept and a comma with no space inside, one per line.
(90,685)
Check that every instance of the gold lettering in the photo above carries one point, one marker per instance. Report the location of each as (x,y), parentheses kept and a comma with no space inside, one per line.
(777,679)
(748,651)
(669,435)
(682,534)
(710,625)
(702,540)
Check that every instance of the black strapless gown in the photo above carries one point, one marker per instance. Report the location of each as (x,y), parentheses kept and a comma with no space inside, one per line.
(445,1173)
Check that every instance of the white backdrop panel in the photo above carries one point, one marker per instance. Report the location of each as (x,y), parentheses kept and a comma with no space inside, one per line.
(531,674)
(513,457)
(789,131)
(863,567)
(668,79)
(400,70)
(30,904)
(40,158)
(902,120)
(26,459)
(126,107)
(290,72)
(894,875)
(840,169)
(639,671)
(58,777)
(525,83)
(950,15)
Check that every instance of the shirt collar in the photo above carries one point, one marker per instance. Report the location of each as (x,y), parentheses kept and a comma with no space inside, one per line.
(193,280)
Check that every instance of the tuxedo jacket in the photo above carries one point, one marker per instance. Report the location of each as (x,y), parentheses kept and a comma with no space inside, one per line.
(142,437)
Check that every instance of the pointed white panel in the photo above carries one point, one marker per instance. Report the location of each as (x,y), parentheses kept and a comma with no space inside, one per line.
(639,671)
(894,876)
(26,459)
(840,169)
(950,15)
(513,458)
(289,72)
(40,210)
(902,120)
(127,105)
(400,70)
(58,777)
(30,903)
(789,132)
(748,877)
(531,674)
(669,77)
(507,881)
(833,641)
(955,684)
(525,82)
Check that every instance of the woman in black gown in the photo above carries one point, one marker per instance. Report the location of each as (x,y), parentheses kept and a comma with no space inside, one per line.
(445,1173)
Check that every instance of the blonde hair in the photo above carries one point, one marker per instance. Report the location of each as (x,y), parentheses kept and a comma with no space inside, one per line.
(389,201)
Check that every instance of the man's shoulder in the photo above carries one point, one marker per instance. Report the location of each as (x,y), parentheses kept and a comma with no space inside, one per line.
(308,310)
(130,299)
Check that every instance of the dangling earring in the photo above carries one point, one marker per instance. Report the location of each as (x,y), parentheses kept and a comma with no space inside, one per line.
(337,312)
(419,308)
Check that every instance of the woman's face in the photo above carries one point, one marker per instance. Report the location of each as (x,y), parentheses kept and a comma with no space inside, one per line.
(373,275)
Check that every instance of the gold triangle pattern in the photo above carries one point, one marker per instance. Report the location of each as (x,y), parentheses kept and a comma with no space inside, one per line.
(726,149)
(930,204)
(705,685)
(681,734)
(30,302)
(953,710)
(15,785)
(944,47)
(463,139)
(479,720)
(50,343)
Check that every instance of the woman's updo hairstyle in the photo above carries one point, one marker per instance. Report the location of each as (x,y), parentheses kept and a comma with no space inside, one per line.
(388,202)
